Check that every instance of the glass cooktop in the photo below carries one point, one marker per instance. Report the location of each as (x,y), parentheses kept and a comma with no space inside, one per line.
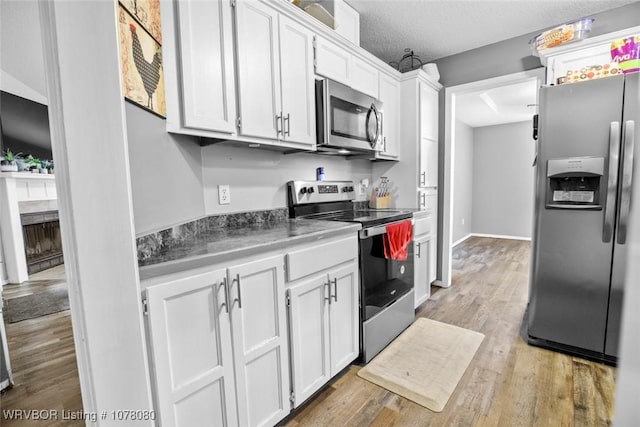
(367,217)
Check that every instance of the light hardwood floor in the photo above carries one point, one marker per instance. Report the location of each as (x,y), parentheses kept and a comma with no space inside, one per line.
(508,383)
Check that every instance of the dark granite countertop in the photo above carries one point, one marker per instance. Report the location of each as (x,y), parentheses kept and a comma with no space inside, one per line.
(222,244)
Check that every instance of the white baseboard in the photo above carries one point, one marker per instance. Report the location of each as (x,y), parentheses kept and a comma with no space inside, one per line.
(457,242)
(500,236)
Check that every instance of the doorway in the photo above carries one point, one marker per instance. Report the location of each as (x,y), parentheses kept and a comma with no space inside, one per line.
(486,106)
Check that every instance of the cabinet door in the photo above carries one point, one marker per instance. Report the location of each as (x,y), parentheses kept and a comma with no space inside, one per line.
(428,112)
(309,333)
(332,61)
(261,354)
(428,136)
(190,338)
(343,316)
(297,81)
(206,65)
(364,77)
(390,97)
(422,282)
(428,163)
(258,70)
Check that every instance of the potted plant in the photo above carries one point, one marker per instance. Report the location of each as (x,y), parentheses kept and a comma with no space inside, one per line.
(9,163)
(44,166)
(32,164)
(50,167)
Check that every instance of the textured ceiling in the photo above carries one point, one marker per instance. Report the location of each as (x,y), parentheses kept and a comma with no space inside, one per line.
(438,28)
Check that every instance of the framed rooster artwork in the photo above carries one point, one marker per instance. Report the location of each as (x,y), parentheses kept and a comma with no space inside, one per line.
(141,62)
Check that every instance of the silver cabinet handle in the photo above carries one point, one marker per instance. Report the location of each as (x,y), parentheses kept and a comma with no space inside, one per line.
(335,289)
(225,304)
(423,200)
(610,208)
(328,285)
(423,178)
(419,246)
(287,122)
(384,144)
(626,177)
(239,299)
(278,124)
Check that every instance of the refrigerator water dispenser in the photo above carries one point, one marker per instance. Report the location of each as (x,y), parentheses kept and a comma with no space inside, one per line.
(574,183)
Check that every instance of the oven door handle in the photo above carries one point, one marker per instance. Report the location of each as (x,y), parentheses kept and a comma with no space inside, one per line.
(378,230)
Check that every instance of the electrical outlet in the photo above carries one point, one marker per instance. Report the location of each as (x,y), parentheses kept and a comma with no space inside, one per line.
(224,194)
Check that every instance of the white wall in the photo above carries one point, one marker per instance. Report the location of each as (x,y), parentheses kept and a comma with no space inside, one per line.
(462,182)
(258,178)
(21,50)
(166,173)
(503,180)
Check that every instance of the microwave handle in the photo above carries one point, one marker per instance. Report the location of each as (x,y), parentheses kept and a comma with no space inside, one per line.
(373,112)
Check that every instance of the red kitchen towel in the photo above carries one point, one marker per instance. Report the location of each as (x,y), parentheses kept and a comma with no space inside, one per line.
(396,240)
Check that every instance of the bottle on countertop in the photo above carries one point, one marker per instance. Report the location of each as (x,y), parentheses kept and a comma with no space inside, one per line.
(320,174)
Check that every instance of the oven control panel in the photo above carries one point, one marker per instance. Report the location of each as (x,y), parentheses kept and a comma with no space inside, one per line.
(302,192)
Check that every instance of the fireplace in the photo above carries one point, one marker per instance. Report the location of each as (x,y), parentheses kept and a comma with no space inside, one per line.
(42,243)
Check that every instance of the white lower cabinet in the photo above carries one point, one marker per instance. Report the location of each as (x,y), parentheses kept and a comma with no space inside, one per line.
(323,319)
(189,330)
(424,252)
(219,346)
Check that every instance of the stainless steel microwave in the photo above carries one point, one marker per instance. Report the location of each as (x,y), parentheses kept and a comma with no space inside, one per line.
(347,121)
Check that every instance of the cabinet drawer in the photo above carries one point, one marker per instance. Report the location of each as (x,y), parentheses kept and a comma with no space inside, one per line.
(422,226)
(319,257)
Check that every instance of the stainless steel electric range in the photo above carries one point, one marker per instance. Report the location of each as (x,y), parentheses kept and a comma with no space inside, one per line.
(386,285)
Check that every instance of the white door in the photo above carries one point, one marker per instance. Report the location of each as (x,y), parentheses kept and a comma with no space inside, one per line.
(364,77)
(206,64)
(259,326)
(422,281)
(343,316)
(297,82)
(190,338)
(390,97)
(258,70)
(309,329)
(332,61)
(428,112)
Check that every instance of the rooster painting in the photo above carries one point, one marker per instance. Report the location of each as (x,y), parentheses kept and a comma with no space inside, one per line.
(149,71)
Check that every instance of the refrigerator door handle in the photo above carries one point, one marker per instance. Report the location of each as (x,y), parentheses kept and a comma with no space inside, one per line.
(626,178)
(610,204)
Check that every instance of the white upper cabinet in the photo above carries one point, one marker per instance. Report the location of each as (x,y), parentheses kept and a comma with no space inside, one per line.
(364,77)
(428,111)
(275,75)
(332,61)
(258,70)
(428,136)
(297,82)
(390,97)
(348,20)
(198,64)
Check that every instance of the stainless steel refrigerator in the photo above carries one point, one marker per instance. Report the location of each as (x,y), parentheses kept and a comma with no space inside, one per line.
(586,137)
